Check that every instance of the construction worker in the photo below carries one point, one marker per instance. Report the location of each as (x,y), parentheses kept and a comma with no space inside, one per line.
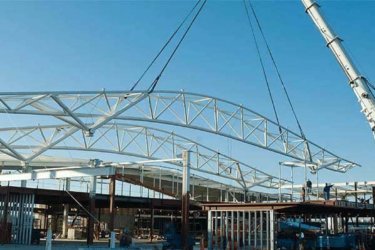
(327,190)
(309,188)
(303,194)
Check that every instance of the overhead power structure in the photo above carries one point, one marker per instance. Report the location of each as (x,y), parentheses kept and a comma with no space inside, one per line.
(359,83)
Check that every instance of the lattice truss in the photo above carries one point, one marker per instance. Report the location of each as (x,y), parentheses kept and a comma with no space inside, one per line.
(136,141)
(92,121)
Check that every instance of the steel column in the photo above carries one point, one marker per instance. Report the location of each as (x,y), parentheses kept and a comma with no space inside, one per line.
(209,230)
(272,230)
(90,224)
(186,200)
(232,229)
(112,190)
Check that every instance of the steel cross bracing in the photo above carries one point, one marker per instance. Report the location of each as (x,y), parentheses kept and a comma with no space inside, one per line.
(135,141)
(89,111)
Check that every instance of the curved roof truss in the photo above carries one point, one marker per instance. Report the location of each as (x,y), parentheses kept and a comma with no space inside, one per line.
(136,141)
(90,111)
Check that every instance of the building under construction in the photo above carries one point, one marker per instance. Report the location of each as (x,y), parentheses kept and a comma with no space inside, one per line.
(172,191)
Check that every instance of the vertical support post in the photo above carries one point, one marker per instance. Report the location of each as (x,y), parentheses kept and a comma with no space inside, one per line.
(336,194)
(249,231)
(141,180)
(185,200)
(268,230)
(279,181)
(292,176)
(261,229)
(272,230)
(65,221)
(255,229)
(317,184)
(112,244)
(243,229)
(335,223)
(152,222)
(346,224)
(216,245)
(356,194)
(209,230)
(222,230)
(90,224)
(112,190)
(173,184)
(49,239)
(193,190)
(67,184)
(26,168)
(5,236)
(238,226)
(232,229)
(226,228)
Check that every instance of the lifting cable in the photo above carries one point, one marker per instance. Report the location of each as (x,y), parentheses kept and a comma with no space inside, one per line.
(164,46)
(280,78)
(262,65)
(155,82)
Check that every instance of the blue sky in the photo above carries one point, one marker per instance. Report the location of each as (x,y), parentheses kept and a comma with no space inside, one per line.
(90,45)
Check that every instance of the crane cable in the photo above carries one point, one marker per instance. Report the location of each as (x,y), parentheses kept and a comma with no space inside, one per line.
(262,65)
(164,46)
(280,78)
(155,82)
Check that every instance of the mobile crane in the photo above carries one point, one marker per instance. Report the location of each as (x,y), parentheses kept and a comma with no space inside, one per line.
(358,82)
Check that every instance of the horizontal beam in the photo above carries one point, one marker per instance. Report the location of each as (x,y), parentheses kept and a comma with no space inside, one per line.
(341,184)
(59,173)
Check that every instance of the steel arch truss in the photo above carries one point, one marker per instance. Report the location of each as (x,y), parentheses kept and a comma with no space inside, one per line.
(135,141)
(89,111)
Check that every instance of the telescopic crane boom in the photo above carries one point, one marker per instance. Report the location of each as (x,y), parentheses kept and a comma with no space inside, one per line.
(358,83)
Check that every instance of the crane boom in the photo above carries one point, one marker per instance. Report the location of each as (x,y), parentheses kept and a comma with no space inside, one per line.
(358,83)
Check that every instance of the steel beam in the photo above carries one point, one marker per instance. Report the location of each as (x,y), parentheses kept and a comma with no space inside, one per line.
(59,173)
